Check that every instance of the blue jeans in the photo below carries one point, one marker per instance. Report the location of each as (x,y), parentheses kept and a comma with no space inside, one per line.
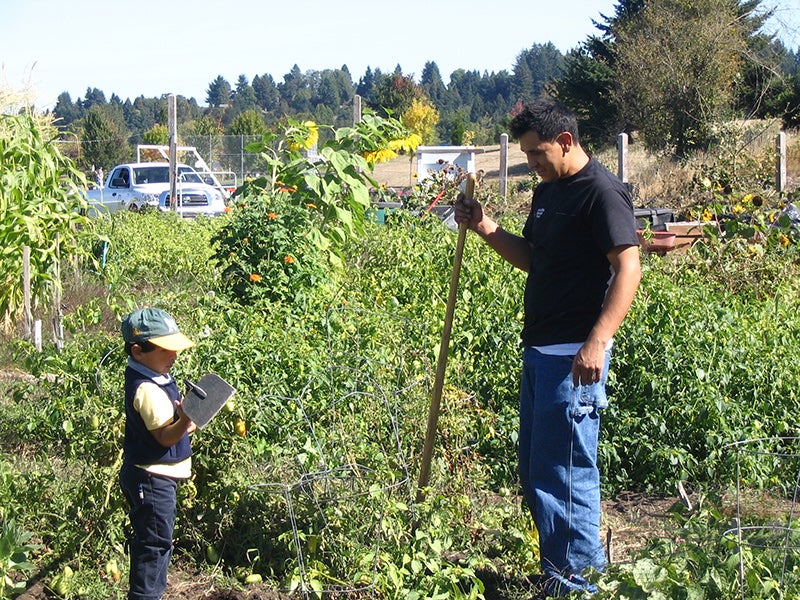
(152,502)
(558,432)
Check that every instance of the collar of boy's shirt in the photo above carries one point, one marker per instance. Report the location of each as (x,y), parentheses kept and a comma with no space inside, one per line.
(158,378)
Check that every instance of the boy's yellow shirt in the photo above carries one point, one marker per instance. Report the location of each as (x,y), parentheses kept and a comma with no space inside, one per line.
(156,410)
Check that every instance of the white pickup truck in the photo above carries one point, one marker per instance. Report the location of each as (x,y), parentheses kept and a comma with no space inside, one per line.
(136,186)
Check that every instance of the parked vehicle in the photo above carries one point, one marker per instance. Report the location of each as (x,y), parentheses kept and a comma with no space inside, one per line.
(137,186)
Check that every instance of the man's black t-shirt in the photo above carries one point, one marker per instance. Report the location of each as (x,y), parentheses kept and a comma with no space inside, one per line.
(573,223)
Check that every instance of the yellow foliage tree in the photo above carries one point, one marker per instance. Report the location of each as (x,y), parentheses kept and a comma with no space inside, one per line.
(421,118)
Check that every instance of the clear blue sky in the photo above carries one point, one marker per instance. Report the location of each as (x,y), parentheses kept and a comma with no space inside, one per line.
(154,47)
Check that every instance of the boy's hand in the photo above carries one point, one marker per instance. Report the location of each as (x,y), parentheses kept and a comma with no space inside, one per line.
(191,426)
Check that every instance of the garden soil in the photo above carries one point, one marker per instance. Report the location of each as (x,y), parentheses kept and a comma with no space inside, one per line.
(633,519)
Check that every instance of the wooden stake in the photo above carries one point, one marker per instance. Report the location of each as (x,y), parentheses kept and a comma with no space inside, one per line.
(436,400)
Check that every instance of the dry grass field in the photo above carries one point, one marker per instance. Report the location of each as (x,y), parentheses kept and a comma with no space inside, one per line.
(400,171)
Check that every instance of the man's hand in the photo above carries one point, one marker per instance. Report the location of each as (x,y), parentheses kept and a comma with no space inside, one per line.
(469,211)
(587,367)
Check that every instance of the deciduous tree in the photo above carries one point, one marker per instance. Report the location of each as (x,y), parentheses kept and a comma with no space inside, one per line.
(421,118)
(248,122)
(677,63)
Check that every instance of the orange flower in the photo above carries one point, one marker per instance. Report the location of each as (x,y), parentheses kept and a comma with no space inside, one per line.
(288,259)
(228,209)
(282,187)
(272,215)
(255,277)
(311,205)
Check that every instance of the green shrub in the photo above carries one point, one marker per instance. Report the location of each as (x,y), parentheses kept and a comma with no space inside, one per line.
(266,253)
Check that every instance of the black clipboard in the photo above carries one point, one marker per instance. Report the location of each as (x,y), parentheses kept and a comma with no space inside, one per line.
(205,398)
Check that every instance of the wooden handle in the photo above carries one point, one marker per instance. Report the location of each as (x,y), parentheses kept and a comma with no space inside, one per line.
(436,399)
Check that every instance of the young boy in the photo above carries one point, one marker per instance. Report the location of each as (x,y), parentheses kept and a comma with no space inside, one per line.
(157,451)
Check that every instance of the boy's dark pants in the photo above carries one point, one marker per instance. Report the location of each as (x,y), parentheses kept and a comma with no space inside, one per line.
(152,502)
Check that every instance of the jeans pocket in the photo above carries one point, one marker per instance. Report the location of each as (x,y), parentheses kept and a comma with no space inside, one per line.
(588,399)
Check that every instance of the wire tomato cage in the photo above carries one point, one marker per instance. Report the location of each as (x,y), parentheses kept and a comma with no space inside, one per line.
(765,528)
(338,478)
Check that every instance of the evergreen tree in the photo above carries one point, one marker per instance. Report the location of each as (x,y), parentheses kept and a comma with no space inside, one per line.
(104,140)
(763,79)
(786,101)
(586,87)
(431,83)
(534,69)
(465,85)
(334,90)
(296,91)
(218,93)
(65,111)
(588,82)
(93,97)
(243,97)
(367,86)
(267,95)
(186,109)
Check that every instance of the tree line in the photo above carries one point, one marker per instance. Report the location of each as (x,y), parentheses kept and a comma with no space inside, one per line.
(668,72)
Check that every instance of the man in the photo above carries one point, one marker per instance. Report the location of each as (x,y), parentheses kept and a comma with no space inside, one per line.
(580,250)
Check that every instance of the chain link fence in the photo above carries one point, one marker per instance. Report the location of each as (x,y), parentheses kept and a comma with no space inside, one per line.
(224,154)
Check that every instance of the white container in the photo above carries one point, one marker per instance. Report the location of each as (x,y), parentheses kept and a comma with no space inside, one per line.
(432,159)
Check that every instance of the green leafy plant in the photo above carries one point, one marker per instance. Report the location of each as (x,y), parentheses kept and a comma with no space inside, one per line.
(336,180)
(701,559)
(15,551)
(267,251)
(41,206)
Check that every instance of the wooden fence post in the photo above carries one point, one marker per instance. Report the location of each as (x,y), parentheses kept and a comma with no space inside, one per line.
(37,334)
(780,161)
(26,292)
(622,157)
(58,326)
(503,164)
(172,118)
(356,109)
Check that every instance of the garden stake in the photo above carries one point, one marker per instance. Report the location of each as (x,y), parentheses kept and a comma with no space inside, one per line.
(433,412)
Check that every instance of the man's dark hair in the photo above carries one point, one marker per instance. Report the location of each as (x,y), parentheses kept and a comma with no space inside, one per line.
(547,117)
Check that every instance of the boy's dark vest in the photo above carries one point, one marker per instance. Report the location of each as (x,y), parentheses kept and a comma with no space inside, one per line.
(140,447)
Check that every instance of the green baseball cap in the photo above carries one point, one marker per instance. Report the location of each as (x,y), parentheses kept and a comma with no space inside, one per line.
(155,326)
